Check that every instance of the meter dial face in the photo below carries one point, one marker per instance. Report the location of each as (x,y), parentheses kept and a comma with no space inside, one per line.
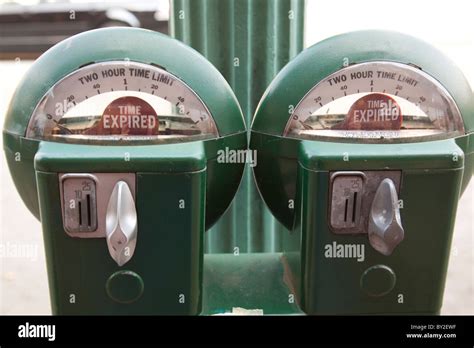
(376,102)
(121,102)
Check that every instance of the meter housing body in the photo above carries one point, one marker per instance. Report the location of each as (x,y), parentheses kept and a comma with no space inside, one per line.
(124,201)
(370,215)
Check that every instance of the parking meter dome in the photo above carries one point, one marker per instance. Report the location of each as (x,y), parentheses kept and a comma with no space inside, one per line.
(125,87)
(365,87)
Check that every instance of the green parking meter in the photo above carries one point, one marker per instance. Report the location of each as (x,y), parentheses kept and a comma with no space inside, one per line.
(112,139)
(365,143)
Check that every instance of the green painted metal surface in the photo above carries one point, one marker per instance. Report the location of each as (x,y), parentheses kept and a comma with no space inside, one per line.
(167,236)
(132,44)
(23,173)
(277,154)
(332,285)
(250,281)
(249,42)
(165,272)
(56,157)
(317,155)
(297,170)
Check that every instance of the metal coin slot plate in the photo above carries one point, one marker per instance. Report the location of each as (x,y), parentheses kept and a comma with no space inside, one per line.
(351,194)
(102,186)
(79,203)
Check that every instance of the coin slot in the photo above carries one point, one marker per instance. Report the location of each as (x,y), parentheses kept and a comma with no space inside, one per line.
(79,203)
(345,210)
(80,213)
(88,201)
(354,208)
(347,190)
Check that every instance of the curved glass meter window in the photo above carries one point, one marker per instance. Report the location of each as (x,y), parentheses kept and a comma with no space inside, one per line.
(121,102)
(376,102)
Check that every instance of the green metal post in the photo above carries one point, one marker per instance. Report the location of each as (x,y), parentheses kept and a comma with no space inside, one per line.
(249,41)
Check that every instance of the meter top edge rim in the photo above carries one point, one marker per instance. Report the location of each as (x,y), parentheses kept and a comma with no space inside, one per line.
(126,44)
(295,80)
